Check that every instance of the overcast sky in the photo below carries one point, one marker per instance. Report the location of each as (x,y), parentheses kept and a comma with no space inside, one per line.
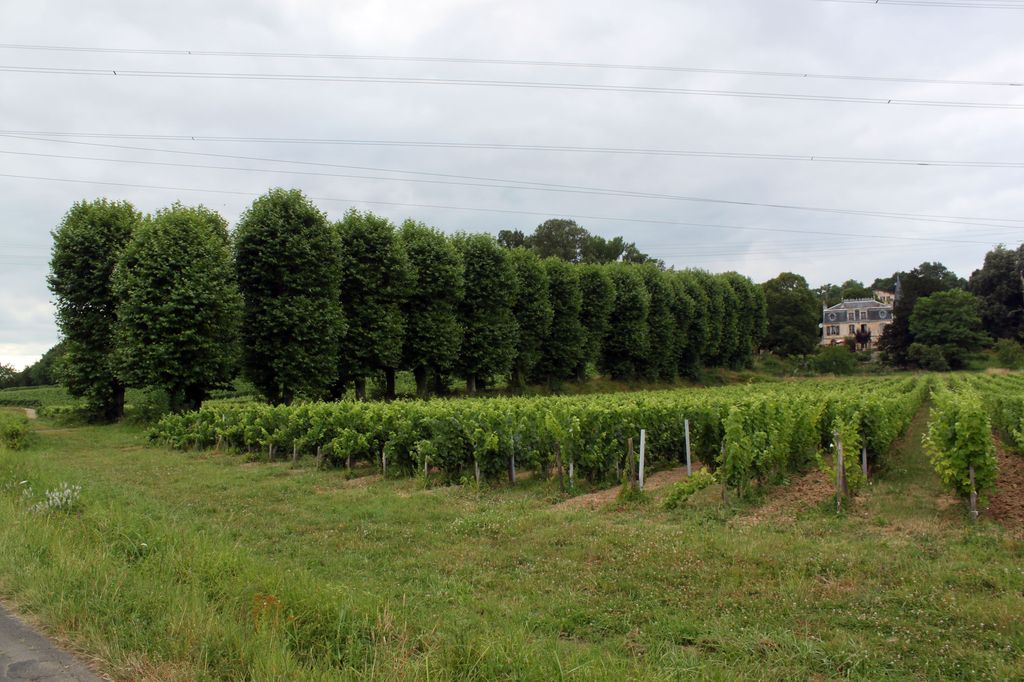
(792,36)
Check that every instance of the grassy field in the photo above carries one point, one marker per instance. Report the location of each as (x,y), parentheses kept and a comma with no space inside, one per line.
(200,566)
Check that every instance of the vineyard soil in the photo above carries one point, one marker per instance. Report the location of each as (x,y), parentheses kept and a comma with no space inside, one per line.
(185,565)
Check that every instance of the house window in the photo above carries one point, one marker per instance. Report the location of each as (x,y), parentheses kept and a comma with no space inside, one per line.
(853,329)
(832,330)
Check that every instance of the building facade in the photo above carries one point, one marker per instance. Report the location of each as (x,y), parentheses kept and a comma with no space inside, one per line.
(862,318)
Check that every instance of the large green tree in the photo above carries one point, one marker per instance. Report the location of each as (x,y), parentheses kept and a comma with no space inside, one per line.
(532,311)
(86,247)
(924,280)
(292,320)
(690,308)
(489,326)
(715,339)
(433,334)
(375,280)
(597,292)
(559,238)
(794,312)
(627,343)
(563,348)
(661,361)
(179,309)
(949,321)
(998,285)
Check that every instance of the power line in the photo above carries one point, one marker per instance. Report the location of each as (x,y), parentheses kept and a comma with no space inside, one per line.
(504,183)
(35,134)
(502,211)
(504,62)
(536,85)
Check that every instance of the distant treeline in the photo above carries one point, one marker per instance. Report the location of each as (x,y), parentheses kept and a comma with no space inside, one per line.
(303,307)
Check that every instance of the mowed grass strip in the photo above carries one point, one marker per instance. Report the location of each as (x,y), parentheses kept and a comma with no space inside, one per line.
(197,566)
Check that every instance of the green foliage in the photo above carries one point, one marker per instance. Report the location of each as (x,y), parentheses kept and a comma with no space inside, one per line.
(486,313)
(292,320)
(1009,354)
(683,490)
(795,313)
(86,248)
(597,300)
(563,348)
(948,320)
(532,310)
(179,308)
(959,437)
(661,360)
(14,431)
(691,307)
(922,281)
(627,344)
(376,278)
(930,358)
(834,360)
(433,334)
(998,286)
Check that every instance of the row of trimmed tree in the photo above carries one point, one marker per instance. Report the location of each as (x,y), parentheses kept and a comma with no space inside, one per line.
(306,308)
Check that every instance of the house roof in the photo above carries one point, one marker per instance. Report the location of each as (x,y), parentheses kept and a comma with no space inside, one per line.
(851,303)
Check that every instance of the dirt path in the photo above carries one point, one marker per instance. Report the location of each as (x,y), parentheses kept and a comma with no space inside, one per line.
(27,655)
(608,495)
(1006,504)
(786,501)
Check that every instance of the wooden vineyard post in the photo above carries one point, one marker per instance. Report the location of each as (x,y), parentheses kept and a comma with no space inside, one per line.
(864,460)
(572,473)
(383,464)
(512,468)
(270,452)
(722,459)
(839,473)
(319,457)
(295,452)
(686,432)
(426,469)
(974,495)
(558,464)
(476,471)
(630,464)
(643,442)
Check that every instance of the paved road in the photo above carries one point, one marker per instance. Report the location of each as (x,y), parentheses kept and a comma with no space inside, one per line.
(27,655)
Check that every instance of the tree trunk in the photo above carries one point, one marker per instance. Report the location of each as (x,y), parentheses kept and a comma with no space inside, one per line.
(389,384)
(517,382)
(116,409)
(420,373)
(360,383)
(194,396)
(471,384)
(581,372)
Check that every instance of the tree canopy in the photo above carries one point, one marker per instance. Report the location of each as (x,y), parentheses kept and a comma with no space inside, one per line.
(433,332)
(998,286)
(375,280)
(86,248)
(489,325)
(949,321)
(924,280)
(292,321)
(179,309)
(794,312)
